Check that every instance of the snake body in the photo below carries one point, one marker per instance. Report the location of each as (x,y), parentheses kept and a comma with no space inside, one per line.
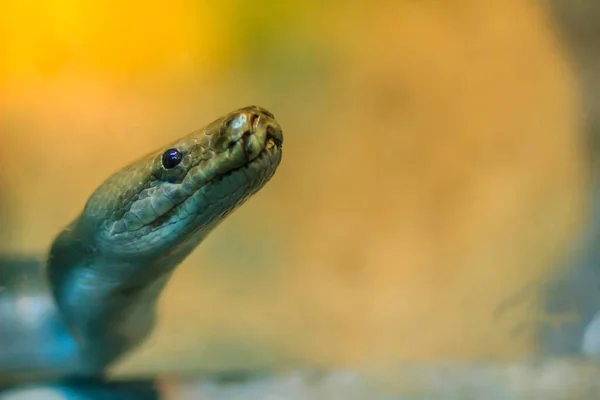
(107,268)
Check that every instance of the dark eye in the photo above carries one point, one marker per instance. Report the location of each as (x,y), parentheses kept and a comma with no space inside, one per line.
(171,158)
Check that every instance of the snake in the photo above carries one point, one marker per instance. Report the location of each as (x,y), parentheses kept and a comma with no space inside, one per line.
(106,270)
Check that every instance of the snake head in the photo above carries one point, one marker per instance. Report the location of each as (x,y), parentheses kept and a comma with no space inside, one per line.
(167,201)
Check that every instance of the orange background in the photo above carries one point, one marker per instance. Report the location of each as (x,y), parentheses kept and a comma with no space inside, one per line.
(433,167)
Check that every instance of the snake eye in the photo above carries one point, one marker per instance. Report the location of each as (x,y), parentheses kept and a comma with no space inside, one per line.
(171,158)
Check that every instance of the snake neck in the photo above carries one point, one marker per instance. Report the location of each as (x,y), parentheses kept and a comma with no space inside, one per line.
(108,305)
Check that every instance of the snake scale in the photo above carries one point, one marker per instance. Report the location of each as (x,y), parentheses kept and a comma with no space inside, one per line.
(105,271)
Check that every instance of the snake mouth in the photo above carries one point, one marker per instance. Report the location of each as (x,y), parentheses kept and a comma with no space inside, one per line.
(271,141)
(274,137)
(273,144)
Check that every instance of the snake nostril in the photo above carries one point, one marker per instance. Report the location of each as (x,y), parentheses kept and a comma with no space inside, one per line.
(254,121)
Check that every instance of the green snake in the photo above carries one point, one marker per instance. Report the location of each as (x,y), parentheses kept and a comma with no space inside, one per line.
(108,267)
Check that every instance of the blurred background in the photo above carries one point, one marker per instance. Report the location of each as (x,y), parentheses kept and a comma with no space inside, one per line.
(437,173)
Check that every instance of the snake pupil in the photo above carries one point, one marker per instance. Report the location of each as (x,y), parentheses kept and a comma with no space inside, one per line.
(171,158)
